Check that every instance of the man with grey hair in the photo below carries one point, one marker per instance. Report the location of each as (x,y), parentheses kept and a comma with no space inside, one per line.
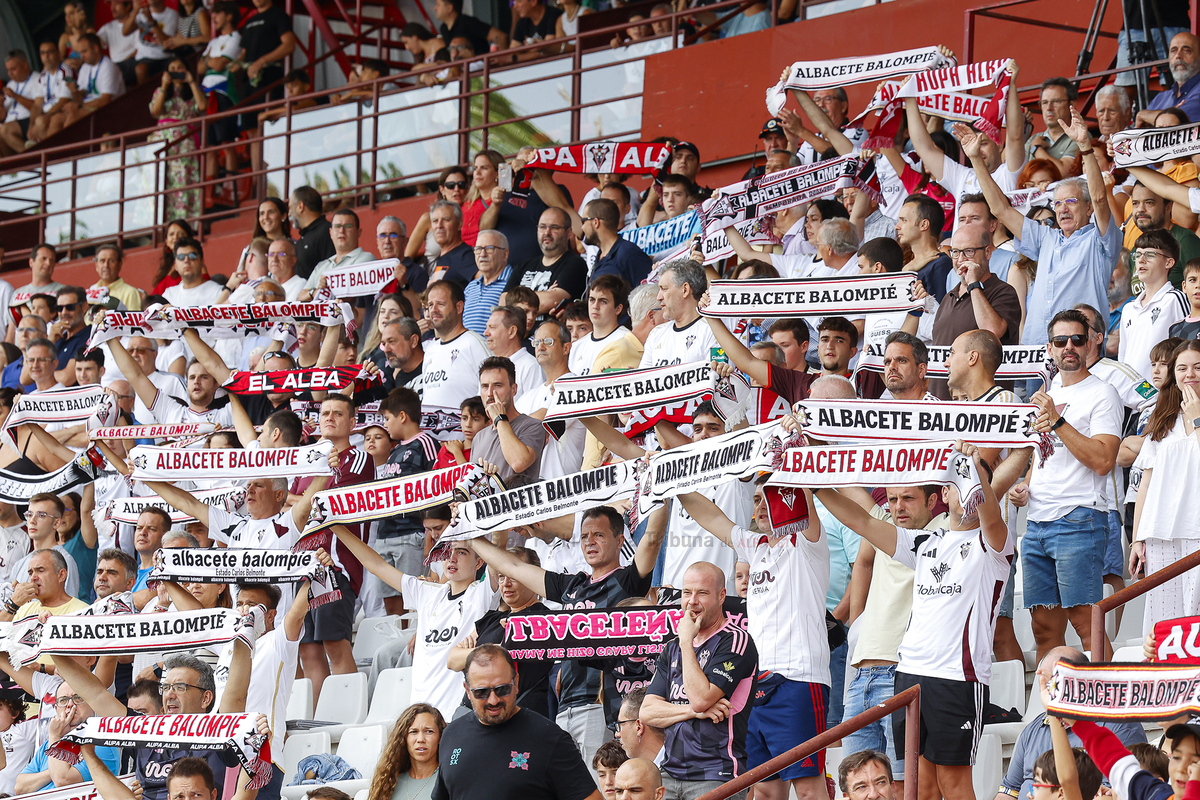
(681,283)
(1075,260)
(457,261)
(1184,59)
(563,453)
(482,294)
(281,263)
(1114,110)
(410,278)
(30,328)
(401,346)
(645,314)
(779,159)
(505,336)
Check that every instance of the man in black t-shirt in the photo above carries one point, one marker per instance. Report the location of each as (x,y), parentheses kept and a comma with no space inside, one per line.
(535,23)
(455,24)
(559,273)
(315,243)
(602,532)
(404,362)
(268,39)
(457,261)
(503,750)
(518,214)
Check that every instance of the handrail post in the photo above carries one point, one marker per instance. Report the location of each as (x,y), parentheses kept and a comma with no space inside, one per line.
(576,87)
(372,198)
(487,103)
(121,191)
(287,150)
(912,738)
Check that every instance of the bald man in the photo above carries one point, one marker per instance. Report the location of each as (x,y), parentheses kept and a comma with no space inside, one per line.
(639,779)
(1183,57)
(703,682)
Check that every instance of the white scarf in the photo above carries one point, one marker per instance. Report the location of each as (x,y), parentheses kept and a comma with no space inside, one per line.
(17,488)
(236,733)
(554,497)
(126,510)
(61,405)
(361,280)
(812,297)
(1127,692)
(1021,362)
(887,465)
(249,566)
(229,316)
(169,431)
(958,78)
(1139,148)
(813,75)
(653,387)
(151,463)
(364,502)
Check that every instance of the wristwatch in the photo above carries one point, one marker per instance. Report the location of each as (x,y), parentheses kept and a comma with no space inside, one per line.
(1061,421)
(499,418)
(974,286)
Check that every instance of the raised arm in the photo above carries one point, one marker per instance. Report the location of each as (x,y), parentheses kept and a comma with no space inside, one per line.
(500,560)
(1014,123)
(1160,184)
(829,132)
(612,438)
(109,786)
(997,201)
(132,371)
(293,621)
(931,155)
(1078,131)
(302,507)
(991,518)
(740,355)
(213,364)
(371,560)
(646,555)
(181,499)
(89,687)
(743,249)
(855,517)
(241,421)
(706,514)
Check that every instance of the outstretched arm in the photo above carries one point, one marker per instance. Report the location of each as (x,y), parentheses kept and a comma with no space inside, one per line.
(856,518)
(302,507)
(145,390)
(241,421)
(1014,123)
(1078,131)
(88,686)
(612,438)
(108,784)
(743,249)
(213,364)
(830,132)
(931,155)
(1158,183)
(708,516)
(997,201)
(181,499)
(371,560)
(500,560)
(741,356)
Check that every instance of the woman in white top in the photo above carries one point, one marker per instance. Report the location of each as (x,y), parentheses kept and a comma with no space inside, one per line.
(568,23)
(1165,527)
(408,768)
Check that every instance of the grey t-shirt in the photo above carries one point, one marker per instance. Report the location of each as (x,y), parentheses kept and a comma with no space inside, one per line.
(486,447)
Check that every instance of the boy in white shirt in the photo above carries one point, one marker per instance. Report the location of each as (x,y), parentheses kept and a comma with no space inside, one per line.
(1147,319)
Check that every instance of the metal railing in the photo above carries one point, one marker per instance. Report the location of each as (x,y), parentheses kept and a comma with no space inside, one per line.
(909,700)
(1118,599)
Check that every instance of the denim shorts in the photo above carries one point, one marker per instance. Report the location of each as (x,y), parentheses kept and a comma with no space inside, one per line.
(1063,559)
(1114,547)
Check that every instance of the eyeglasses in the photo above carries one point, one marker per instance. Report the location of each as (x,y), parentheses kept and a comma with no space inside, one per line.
(615,727)
(1065,202)
(1143,255)
(177,688)
(187,256)
(1077,339)
(488,249)
(30,516)
(41,360)
(343,226)
(387,236)
(134,350)
(588,219)
(548,341)
(452,185)
(543,228)
(966,252)
(70,700)
(484,692)
(278,256)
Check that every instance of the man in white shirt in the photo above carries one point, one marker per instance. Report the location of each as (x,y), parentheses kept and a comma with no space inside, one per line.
(345,232)
(1063,547)
(144,351)
(563,452)
(281,262)
(452,359)
(960,573)
(1147,319)
(192,290)
(505,336)
(154,23)
(276,653)
(121,46)
(905,359)
(20,97)
(99,83)
(161,404)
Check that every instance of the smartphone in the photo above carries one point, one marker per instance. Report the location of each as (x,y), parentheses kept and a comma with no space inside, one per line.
(566,301)
(506,177)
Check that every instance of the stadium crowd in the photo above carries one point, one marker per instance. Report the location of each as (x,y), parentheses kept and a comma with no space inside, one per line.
(786,629)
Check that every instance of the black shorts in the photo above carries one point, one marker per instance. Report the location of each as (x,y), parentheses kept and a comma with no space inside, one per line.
(226,129)
(333,621)
(24,123)
(951,719)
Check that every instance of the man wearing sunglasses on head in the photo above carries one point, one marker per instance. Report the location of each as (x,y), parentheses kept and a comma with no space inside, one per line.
(1063,550)
(503,750)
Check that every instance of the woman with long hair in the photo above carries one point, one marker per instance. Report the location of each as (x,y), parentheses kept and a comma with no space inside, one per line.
(75,24)
(272,220)
(485,177)
(391,307)
(179,98)
(408,767)
(1166,529)
(452,186)
(195,29)
(489,629)
(423,43)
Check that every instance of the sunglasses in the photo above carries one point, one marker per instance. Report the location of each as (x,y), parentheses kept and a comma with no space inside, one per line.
(452,185)
(483,692)
(1077,339)
(187,256)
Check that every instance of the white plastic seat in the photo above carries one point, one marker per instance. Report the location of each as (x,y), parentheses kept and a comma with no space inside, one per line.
(392,694)
(300,702)
(1008,685)
(343,702)
(360,747)
(989,765)
(372,634)
(362,794)
(298,746)
(1009,731)
(1132,653)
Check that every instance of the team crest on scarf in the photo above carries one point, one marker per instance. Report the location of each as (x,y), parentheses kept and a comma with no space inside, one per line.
(599,154)
(962,466)
(788,496)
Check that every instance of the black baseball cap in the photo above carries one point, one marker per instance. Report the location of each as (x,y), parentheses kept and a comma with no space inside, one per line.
(687,146)
(1190,728)
(772,125)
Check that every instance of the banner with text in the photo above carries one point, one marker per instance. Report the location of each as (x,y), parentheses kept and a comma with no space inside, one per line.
(812,297)
(1021,362)
(150,463)
(620,158)
(361,280)
(126,510)
(1114,691)
(363,502)
(554,497)
(1140,148)
(812,75)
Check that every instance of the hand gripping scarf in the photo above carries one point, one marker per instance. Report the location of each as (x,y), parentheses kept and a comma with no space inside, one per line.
(650,388)
(361,280)
(126,510)
(766,194)
(151,463)
(1021,362)
(1139,148)
(235,565)
(65,404)
(317,379)
(122,324)
(620,158)
(812,297)
(813,75)
(364,502)
(17,488)
(236,733)
(887,465)
(982,424)
(1116,691)
(172,430)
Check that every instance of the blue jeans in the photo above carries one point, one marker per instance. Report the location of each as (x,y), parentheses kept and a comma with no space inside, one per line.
(869,687)
(837,685)
(1114,546)
(1063,559)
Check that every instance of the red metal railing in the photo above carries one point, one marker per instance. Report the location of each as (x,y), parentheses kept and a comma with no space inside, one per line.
(1118,599)
(909,700)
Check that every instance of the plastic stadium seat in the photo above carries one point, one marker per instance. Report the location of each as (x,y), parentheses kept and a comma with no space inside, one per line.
(989,765)
(391,696)
(300,703)
(1008,685)
(360,747)
(372,634)
(362,794)
(1009,731)
(343,704)
(1131,623)
(1131,653)
(301,745)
